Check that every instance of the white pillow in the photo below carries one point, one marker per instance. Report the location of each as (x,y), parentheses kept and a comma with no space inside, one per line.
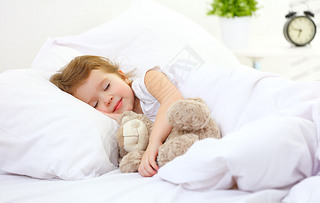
(53,57)
(46,133)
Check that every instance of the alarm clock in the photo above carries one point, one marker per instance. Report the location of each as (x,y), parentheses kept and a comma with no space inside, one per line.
(299,30)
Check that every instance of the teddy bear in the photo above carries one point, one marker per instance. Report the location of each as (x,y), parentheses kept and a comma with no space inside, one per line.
(191,121)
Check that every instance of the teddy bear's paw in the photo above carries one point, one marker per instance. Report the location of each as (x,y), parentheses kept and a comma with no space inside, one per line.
(135,135)
(130,163)
(189,114)
(175,147)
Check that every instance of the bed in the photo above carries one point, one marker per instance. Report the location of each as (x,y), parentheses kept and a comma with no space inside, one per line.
(55,148)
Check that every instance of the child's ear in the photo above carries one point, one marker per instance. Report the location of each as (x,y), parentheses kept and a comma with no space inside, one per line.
(127,80)
(122,74)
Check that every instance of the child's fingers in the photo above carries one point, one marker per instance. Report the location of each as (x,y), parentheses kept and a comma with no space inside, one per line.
(145,171)
(149,171)
(154,165)
(146,168)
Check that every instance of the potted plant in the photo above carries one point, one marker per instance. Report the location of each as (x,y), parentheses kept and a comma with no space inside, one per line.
(235,17)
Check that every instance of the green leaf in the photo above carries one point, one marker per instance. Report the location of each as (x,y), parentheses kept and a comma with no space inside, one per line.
(233,8)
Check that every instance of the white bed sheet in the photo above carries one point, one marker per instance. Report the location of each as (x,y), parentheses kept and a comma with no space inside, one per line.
(118,187)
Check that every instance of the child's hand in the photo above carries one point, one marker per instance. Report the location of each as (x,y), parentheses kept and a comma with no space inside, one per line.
(148,166)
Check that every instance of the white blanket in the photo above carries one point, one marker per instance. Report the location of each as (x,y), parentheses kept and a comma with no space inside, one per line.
(269,153)
(270,133)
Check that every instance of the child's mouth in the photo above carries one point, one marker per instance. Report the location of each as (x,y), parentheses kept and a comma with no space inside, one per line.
(118,105)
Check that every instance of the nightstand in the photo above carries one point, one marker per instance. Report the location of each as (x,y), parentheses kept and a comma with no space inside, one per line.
(267,47)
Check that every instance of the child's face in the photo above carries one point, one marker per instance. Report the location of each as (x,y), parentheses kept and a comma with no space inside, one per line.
(106,92)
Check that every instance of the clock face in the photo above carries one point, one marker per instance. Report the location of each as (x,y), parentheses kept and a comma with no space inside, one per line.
(301,30)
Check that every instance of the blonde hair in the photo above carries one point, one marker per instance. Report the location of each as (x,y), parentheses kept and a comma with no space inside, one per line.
(70,77)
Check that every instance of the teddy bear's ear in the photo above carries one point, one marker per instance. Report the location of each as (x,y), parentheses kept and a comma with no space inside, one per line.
(127,116)
(121,120)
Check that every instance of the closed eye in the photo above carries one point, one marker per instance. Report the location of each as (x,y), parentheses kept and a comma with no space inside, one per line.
(96,105)
(107,87)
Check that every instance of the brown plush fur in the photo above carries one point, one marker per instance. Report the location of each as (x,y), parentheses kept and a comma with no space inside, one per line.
(191,121)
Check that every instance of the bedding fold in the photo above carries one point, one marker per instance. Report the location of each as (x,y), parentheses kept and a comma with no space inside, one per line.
(271,153)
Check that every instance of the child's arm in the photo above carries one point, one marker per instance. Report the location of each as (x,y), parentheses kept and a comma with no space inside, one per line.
(166,93)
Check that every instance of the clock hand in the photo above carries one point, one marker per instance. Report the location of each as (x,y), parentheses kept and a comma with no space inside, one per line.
(296,29)
(300,31)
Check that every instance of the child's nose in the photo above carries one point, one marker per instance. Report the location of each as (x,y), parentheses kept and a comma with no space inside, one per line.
(108,99)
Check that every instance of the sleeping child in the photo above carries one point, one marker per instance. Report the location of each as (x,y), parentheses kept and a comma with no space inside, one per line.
(100,83)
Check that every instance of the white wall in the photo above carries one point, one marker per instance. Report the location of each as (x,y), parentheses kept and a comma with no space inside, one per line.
(268,19)
(26,24)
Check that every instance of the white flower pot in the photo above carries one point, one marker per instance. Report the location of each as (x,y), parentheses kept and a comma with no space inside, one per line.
(235,31)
